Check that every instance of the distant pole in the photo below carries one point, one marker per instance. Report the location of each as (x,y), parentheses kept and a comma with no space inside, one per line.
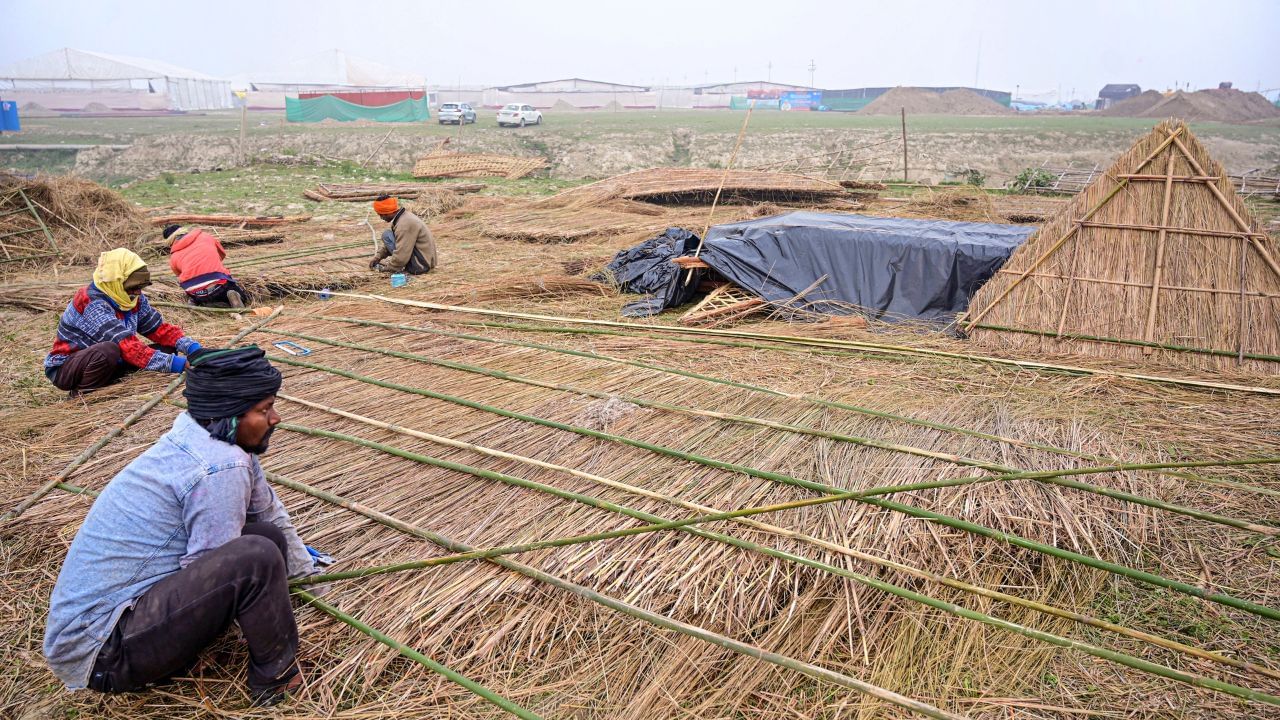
(904,145)
(244,120)
(812,67)
(769,77)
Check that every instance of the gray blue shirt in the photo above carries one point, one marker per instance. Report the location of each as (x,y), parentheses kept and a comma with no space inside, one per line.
(186,495)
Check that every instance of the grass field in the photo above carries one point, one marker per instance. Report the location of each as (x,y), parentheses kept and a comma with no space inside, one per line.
(597,144)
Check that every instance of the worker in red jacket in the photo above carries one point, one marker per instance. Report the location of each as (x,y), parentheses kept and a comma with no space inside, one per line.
(196,258)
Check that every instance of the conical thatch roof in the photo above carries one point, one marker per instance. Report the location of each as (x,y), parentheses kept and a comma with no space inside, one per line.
(1103,278)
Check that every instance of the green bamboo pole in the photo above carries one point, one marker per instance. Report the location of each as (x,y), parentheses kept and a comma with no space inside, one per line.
(741,516)
(778,393)
(1132,573)
(662,621)
(877,348)
(136,415)
(417,657)
(799,429)
(951,608)
(1136,343)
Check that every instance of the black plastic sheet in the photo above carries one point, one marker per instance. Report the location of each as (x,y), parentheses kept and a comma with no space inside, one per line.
(647,269)
(887,268)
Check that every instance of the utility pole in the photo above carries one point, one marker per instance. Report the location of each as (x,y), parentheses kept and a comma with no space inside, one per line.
(905,174)
(812,67)
(769,77)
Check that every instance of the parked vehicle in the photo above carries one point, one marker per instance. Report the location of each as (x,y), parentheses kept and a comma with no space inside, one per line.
(518,115)
(456,114)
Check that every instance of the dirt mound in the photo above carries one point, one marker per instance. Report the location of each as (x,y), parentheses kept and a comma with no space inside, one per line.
(920,101)
(1226,105)
(1134,106)
(84,217)
(612,106)
(95,107)
(562,106)
(33,109)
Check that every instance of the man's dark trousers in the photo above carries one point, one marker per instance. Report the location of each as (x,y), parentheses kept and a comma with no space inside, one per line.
(244,580)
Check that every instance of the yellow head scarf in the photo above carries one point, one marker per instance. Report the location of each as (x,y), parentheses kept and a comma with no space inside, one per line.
(113,267)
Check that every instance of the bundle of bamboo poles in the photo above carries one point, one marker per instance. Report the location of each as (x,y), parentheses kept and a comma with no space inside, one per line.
(361,192)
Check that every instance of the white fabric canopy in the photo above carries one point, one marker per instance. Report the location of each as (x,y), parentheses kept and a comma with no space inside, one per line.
(330,69)
(77,78)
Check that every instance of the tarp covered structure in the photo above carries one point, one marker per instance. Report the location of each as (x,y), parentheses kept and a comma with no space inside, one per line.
(328,107)
(886,268)
(70,79)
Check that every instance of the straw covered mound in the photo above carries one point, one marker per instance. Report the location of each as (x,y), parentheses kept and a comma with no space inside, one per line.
(687,186)
(564,656)
(1216,292)
(84,217)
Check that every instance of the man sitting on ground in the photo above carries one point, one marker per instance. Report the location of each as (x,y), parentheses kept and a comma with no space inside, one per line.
(196,258)
(408,245)
(185,540)
(97,341)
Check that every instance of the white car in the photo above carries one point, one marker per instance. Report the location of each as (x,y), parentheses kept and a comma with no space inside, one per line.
(456,113)
(518,115)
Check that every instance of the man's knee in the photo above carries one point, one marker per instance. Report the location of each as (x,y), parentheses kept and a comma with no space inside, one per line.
(256,554)
(268,531)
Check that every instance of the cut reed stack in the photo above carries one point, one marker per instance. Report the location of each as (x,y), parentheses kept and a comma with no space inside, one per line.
(1158,260)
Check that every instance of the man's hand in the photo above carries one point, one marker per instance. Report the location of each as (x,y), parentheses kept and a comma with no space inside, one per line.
(373,264)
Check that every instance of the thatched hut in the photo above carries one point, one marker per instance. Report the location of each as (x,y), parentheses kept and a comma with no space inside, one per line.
(1157,260)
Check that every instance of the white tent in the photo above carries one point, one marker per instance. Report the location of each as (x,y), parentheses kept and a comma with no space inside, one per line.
(70,79)
(330,70)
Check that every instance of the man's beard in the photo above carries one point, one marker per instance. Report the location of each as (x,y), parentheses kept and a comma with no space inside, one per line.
(261,447)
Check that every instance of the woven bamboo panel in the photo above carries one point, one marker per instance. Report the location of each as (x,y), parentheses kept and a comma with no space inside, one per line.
(476,165)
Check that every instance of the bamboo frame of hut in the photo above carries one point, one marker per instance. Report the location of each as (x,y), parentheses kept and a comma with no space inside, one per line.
(1154,261)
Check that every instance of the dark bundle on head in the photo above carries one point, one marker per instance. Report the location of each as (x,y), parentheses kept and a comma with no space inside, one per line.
(222,385)
(169,230)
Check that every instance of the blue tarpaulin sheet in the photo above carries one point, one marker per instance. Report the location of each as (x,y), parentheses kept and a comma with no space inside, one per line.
(9,116)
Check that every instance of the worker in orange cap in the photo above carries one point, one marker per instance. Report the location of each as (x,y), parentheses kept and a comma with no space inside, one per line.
(408,245)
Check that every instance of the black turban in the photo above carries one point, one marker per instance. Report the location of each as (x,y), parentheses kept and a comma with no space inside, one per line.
(227,383)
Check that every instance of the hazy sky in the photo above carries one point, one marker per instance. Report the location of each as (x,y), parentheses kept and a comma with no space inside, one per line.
(1039,46)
